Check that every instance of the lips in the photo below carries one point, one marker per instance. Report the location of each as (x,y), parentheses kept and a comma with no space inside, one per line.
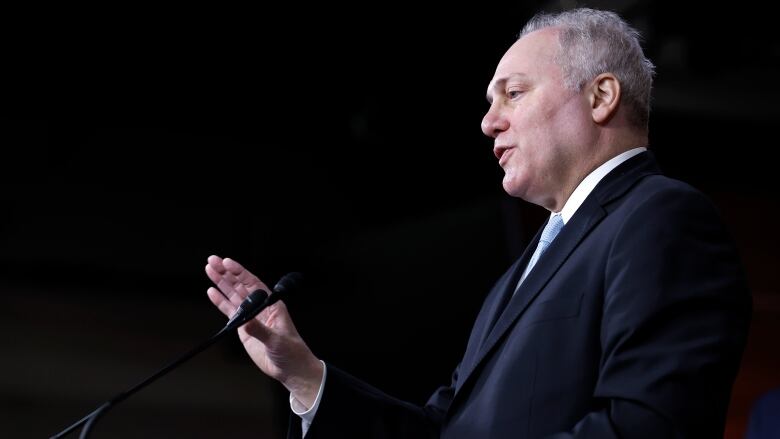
(501,152)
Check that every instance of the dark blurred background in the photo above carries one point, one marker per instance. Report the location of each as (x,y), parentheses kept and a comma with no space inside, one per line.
(342,142)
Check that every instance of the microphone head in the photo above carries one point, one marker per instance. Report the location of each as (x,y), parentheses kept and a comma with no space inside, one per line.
(256,297)
(289,282)
(249,308)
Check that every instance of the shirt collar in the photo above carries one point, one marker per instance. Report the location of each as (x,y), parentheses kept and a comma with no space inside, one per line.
(589,183)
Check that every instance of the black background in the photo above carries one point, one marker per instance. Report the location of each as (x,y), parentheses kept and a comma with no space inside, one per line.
(342,142)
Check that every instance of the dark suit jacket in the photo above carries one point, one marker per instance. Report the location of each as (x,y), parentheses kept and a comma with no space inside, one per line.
(631,325)
(765,417)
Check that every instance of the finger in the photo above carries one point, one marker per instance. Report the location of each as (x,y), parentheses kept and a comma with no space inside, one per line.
(213,274)
(233,266)
(216,273)
(277,317)
(231,291)
(216,263)
(241,273)
(224,284)
(241,292)
(222,303)
(255,329)
(230,277)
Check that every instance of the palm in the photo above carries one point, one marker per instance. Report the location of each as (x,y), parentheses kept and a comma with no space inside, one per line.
(267,358)
(270,339)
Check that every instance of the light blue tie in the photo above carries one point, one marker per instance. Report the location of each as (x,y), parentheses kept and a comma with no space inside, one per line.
(554,225)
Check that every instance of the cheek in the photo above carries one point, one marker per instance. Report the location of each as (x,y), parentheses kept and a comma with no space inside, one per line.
(537,158)
(572,121)
(534,142)
(533,123)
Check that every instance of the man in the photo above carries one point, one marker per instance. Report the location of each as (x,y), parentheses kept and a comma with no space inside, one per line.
(626,316)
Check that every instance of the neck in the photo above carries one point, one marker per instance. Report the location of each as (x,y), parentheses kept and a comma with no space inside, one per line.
(606,148)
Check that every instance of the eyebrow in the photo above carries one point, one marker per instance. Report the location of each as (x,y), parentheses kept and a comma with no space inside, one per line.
(499,83)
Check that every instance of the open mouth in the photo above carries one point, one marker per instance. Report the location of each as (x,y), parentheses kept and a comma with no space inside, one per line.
(501,152)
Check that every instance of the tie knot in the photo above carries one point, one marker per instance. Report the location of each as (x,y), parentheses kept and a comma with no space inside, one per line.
(554,225)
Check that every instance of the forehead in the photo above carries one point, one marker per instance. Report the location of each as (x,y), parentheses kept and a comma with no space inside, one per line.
(531,56)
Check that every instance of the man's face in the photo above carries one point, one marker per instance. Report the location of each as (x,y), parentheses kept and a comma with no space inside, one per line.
(540,128)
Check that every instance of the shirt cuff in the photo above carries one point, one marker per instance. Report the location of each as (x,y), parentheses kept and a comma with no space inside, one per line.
(307,414)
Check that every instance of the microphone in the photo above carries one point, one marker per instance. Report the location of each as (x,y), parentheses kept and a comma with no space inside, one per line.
(257,301)
(250,307)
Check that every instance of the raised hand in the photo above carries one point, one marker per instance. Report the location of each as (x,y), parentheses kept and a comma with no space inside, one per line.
(270,339)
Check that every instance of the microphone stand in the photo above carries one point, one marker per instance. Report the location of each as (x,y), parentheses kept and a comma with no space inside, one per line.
(90,420)
(249,308)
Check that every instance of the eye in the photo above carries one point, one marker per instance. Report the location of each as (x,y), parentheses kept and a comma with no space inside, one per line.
(514,94)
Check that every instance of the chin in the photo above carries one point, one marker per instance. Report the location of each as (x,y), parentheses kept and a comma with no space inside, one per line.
(512,187)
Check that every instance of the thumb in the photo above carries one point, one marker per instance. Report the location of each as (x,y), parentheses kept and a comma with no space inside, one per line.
(254,328)
(277,318)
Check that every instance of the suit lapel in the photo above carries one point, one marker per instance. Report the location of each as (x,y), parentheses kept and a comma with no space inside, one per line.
(508,288)
(566,241)
(589,214)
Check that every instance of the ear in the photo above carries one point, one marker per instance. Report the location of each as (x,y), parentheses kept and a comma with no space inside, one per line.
(604,97)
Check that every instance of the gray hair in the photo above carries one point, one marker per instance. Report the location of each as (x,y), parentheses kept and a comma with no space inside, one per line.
(594,42)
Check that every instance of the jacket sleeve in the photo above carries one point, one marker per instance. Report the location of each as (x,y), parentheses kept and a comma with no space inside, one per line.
(675,318)
(352,408)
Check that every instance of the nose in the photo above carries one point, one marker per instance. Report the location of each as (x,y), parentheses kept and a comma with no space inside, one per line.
(494,122)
